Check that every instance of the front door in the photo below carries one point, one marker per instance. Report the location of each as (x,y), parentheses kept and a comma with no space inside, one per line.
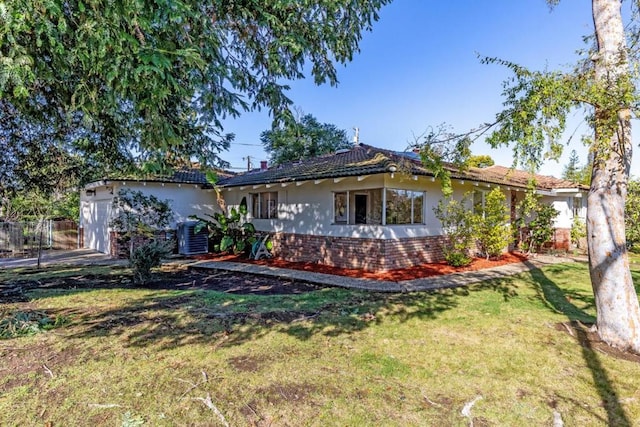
(361,209)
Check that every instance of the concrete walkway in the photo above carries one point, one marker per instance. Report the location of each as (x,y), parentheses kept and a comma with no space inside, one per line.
(415,285)
(69,257)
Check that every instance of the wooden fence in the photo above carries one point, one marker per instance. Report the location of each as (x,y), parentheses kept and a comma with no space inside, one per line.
(23,238)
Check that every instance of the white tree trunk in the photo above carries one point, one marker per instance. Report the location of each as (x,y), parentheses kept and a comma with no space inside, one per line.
(618,313)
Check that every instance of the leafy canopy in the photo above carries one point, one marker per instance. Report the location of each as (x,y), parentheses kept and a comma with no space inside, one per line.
(302,139)
(156,79)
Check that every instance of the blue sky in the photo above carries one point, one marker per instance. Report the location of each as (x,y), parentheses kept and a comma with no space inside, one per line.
(419,67)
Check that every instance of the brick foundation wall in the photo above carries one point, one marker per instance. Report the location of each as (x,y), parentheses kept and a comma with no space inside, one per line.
(358,253)
(562,239)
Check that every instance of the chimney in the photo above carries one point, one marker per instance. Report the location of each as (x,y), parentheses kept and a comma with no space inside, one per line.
(263,165)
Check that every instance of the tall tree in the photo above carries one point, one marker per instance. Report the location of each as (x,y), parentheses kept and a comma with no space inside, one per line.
(537,107)
(302,139)
(571,170)
(617,305)
(157,79)
(534,120)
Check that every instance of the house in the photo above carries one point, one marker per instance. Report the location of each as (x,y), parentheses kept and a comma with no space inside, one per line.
(187,190)
(365,207)
(371,208)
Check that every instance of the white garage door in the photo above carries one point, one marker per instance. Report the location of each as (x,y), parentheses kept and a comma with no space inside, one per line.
(97,226)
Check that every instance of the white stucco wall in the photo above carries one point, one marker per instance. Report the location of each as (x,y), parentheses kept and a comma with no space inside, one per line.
(307,207)
(96,209)
(563,203)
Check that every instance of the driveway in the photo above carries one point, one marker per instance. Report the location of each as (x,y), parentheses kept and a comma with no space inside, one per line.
(75,256)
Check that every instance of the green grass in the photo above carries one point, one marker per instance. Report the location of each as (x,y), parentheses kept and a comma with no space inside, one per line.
(331,357)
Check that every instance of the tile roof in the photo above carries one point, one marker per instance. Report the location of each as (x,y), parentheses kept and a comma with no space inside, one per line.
(367,160)
(180,176)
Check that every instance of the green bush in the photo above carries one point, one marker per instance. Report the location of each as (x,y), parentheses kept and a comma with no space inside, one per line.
(458,259)
(457,226)
(490,225)
(578,231)
(148,256)
(232,233)
(138,218)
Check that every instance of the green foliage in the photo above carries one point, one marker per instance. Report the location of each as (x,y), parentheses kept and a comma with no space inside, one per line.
(138,214)
(302,139)
(232,233)
(490,225)
(158,80)
(26,323)
(632,215)
(534,226)
(480,161)
(578,231)
(441,151)
(137,219)
(457,226)
(576,173)
(541,226)
(146,257)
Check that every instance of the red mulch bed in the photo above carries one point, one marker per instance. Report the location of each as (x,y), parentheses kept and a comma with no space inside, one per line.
(417,272)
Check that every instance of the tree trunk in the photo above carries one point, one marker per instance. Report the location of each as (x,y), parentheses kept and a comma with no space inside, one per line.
(618,313)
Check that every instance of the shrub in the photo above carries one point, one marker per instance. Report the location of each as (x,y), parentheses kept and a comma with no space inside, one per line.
(232,233)
(535,223)
(457,226)
(148,256)
(578,231)
(490,225)
(138,218)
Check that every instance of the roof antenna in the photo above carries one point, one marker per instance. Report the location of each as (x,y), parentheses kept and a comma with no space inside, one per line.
(356,137)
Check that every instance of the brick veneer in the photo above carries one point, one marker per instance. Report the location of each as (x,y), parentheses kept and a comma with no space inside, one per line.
(361,253)
(562,239)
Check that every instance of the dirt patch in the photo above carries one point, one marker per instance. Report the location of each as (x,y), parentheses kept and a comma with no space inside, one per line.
(41,361)
(590,340)
(417,272)
(249,363)
(171,277)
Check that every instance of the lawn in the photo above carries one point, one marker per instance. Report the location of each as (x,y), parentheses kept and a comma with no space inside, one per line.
(508,352)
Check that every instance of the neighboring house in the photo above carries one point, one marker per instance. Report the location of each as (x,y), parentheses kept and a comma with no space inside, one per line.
(371,208)
(187,190)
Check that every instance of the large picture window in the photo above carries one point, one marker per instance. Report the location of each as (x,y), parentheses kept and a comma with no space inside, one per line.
(404,207)
(264,205)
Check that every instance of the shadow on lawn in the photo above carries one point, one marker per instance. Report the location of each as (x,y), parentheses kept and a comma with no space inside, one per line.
(556,299)
(184,319)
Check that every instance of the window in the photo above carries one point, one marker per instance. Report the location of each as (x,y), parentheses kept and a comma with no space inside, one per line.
(340,208)
(577,206)
(358,207)
(404,206)
(479,201)
(264,205)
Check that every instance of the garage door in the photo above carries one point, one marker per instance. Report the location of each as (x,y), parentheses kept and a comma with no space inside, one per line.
(96,226)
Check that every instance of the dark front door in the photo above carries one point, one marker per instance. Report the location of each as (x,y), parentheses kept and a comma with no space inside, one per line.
(361,208)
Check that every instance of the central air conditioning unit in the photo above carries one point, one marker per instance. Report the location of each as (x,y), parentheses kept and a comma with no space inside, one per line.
(190,242)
